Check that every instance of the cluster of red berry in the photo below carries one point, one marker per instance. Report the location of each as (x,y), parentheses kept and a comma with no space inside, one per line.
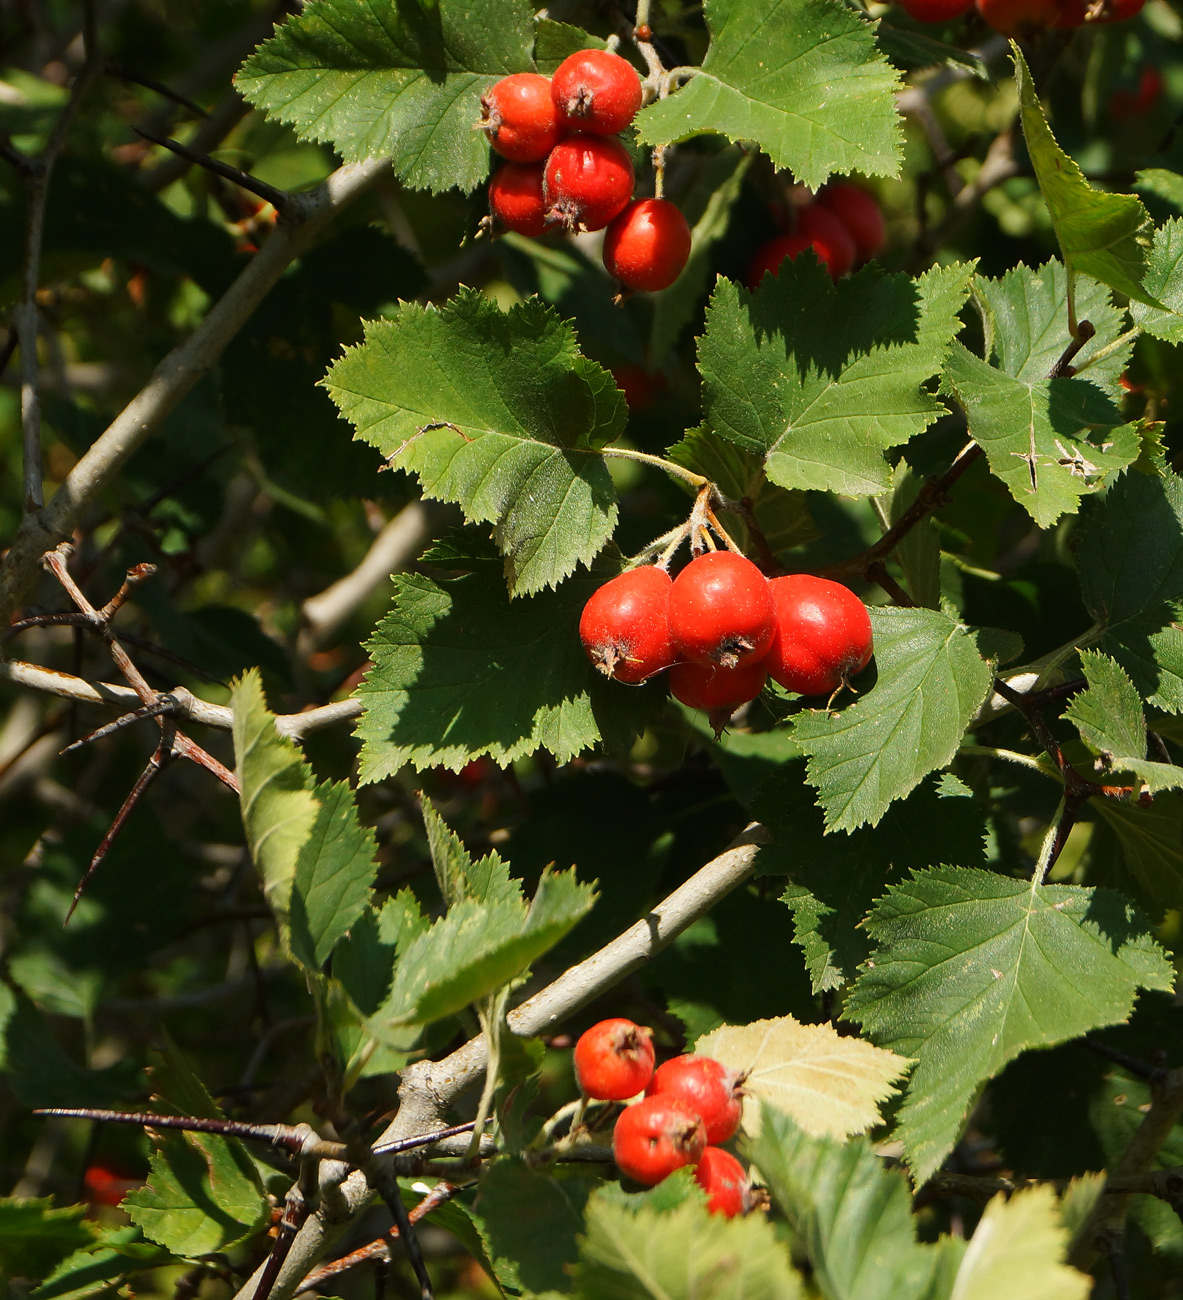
(567,168)
(842,224)
(722,629)
(691,1104)
(1024,17)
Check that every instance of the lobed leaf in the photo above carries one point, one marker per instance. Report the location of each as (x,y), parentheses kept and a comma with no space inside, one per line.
(972,968)
(1164,281)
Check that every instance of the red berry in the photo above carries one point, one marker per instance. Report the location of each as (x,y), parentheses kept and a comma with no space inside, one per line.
(646,247)
(935,11)
(588,181)
(721,610)
(520,117)
(656,1136)
(710,1089)
(625,627)
(823,634)
(515,198)
(725,1182)
(717,690)
(639,386)
(596,91)
(768,257)
(614,1060)
(827,232)
(859,213)
(1020,17)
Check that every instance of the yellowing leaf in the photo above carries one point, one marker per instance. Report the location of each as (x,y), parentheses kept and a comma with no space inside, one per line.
(830,1085)
(1016,1253)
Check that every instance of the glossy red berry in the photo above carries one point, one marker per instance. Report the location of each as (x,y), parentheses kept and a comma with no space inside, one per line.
(520,118)
(859,213)
(625,627)
(725,1182)
(823,634)
(710,1089)
(614,1060)
(588,180)
(647,245)
(935,11)
(1020,17)
(515,198)
(596,91)
(656,1136)
(717,690)
(828,234)
(721,610)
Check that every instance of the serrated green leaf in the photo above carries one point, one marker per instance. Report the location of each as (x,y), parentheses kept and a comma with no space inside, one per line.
(35,1237)
(972,968)
(1103,235)
(931,680)
(1051,441)
(1017,1252)
(1149,646)
(460,670)
(1166,184)
(392,78)
(684,1253)
(498,412)
(1164,281)
(802,78)
(555,41)
(1151,842)
(115,1255)
(486,881)
(477,948)
(1026,316)
(1108,714)
(918,552)
(917,49)
(822,378)
(851,1216)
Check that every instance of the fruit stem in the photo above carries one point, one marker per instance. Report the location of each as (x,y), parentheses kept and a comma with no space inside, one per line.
(1110,348)
(721,531)
(1040,765)
(678,471)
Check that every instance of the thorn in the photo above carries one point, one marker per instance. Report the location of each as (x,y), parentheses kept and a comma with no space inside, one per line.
(280,200)
(165,704)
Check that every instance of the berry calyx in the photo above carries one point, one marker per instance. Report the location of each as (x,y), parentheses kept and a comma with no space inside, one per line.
(515,198)
(709,1088)
(725,1182)
(520,118)
(826,231)
(859,213)
(614,1060)
(656,1136)
(935,11)
(588,180)
(625,628)
(822,636)
(647,245)
(721,610)
(596,91)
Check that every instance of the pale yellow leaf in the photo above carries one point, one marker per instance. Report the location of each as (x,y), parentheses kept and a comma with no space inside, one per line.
(1016,1253)
(831,1086)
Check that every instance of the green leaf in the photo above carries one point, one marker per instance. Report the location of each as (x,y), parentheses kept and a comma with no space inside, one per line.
(395,79)
(498,412)
(802,78)
(822,378)
(972,968)
(931,680)
(918,552)
(1151,842)
(486,881)
(116,1254)
(1102,235)
(1166,184)
(1016,1253)
(1164,281)
(850,1214)
(684,1253)
(1026,317)
(531,1222)
(460,670)
(35,1238)
(1149,646)
(1051,441)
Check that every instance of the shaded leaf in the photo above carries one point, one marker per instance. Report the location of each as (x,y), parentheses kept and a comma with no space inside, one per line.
(1164,281)
(35,1237)
(1151,842)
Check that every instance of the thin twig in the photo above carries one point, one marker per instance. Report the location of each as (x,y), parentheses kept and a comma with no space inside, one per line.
(122,73)
(280,200)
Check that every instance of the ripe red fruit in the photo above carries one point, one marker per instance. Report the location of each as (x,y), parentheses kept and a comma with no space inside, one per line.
(725,1182)
(588,180)
(859,213)
(614,1060)
(596,91)
(717,690)
(825,230)
(1020,17)
(721,611)
(520,118)
(710,1089)
(624,627)
(935,11)
(515,198)
(656,1136)
(647,245)
(823,634)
